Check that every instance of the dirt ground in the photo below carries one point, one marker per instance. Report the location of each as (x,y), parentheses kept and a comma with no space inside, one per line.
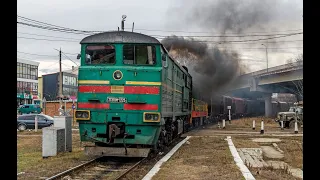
(30,159)
(241,133)
(204,158)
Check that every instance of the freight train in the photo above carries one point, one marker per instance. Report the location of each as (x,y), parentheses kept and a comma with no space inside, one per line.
(133,98)
(243,107)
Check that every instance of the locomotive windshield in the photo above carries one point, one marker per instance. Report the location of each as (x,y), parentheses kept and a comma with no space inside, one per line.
(100,54)
(139,54)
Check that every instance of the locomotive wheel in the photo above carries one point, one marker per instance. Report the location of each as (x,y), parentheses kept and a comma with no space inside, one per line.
(161,143)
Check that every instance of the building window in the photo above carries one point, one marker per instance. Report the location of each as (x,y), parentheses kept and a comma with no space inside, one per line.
(27,87)
(27,71)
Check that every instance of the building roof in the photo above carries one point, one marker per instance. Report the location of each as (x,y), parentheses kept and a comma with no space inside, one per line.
(119,37)
(25,61)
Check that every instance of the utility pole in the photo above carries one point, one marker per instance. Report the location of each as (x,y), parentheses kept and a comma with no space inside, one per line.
(60,78)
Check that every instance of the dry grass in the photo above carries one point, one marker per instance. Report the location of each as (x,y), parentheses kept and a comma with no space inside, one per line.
(203,158)
(293,154)
(30,132)
(31,162)
(271,174)
(245,124)
(39,132)
(244,142)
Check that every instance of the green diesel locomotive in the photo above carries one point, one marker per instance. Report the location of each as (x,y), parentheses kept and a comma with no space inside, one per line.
(132,96)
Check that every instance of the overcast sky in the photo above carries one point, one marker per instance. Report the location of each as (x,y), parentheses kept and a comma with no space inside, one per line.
(274,17)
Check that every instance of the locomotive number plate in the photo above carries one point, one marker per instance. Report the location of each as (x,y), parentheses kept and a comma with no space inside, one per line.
(117,100)
(117,89)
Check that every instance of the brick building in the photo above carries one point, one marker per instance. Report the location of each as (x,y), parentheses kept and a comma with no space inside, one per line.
(51,108)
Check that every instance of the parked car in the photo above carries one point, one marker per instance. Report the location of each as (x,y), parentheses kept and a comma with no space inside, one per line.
(27,121)
(29,108)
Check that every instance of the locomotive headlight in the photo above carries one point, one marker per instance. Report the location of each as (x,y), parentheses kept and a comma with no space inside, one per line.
(82,115)
(151,117)
(117,75)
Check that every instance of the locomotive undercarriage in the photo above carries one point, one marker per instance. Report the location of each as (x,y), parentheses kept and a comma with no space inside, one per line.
(169,132)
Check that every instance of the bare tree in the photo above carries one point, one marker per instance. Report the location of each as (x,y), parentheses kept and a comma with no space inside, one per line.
(297,61)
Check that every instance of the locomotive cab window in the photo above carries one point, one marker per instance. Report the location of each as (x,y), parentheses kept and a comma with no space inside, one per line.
(139,54)
(100,54)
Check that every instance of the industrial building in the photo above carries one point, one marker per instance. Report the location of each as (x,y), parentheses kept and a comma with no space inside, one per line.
(50,86)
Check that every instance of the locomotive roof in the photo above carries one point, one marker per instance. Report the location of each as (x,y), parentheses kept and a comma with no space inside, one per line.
(119,37)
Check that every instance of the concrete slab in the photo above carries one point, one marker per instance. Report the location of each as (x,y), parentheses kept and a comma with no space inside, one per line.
(266,140)
(271,152)
(252,157)
(277,164)
(277,147)
(296,172)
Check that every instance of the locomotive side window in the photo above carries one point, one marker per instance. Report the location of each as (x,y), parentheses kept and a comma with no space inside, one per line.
(100,54)
(139,54)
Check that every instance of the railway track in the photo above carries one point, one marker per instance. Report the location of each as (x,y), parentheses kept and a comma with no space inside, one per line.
(113,168)
(100,168)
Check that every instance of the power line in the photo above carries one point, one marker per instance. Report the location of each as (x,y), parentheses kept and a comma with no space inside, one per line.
(37,22)
(248,35)
(74,31)
(46,39)
(80,39)
(52,64)
(64,29)
(236,42)
(162,38)
(56,29)
(48,36)
(69,58)
(250,40)
(36,54)
(71,53)
(265,48)
(206,32)
(269,42)
(66,64)
(46,55)
(55,26)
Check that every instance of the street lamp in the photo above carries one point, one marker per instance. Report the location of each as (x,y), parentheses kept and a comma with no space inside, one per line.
(266,54)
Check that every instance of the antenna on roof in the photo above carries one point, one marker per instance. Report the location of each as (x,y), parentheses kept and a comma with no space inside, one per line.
(132,26)
(122,22)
